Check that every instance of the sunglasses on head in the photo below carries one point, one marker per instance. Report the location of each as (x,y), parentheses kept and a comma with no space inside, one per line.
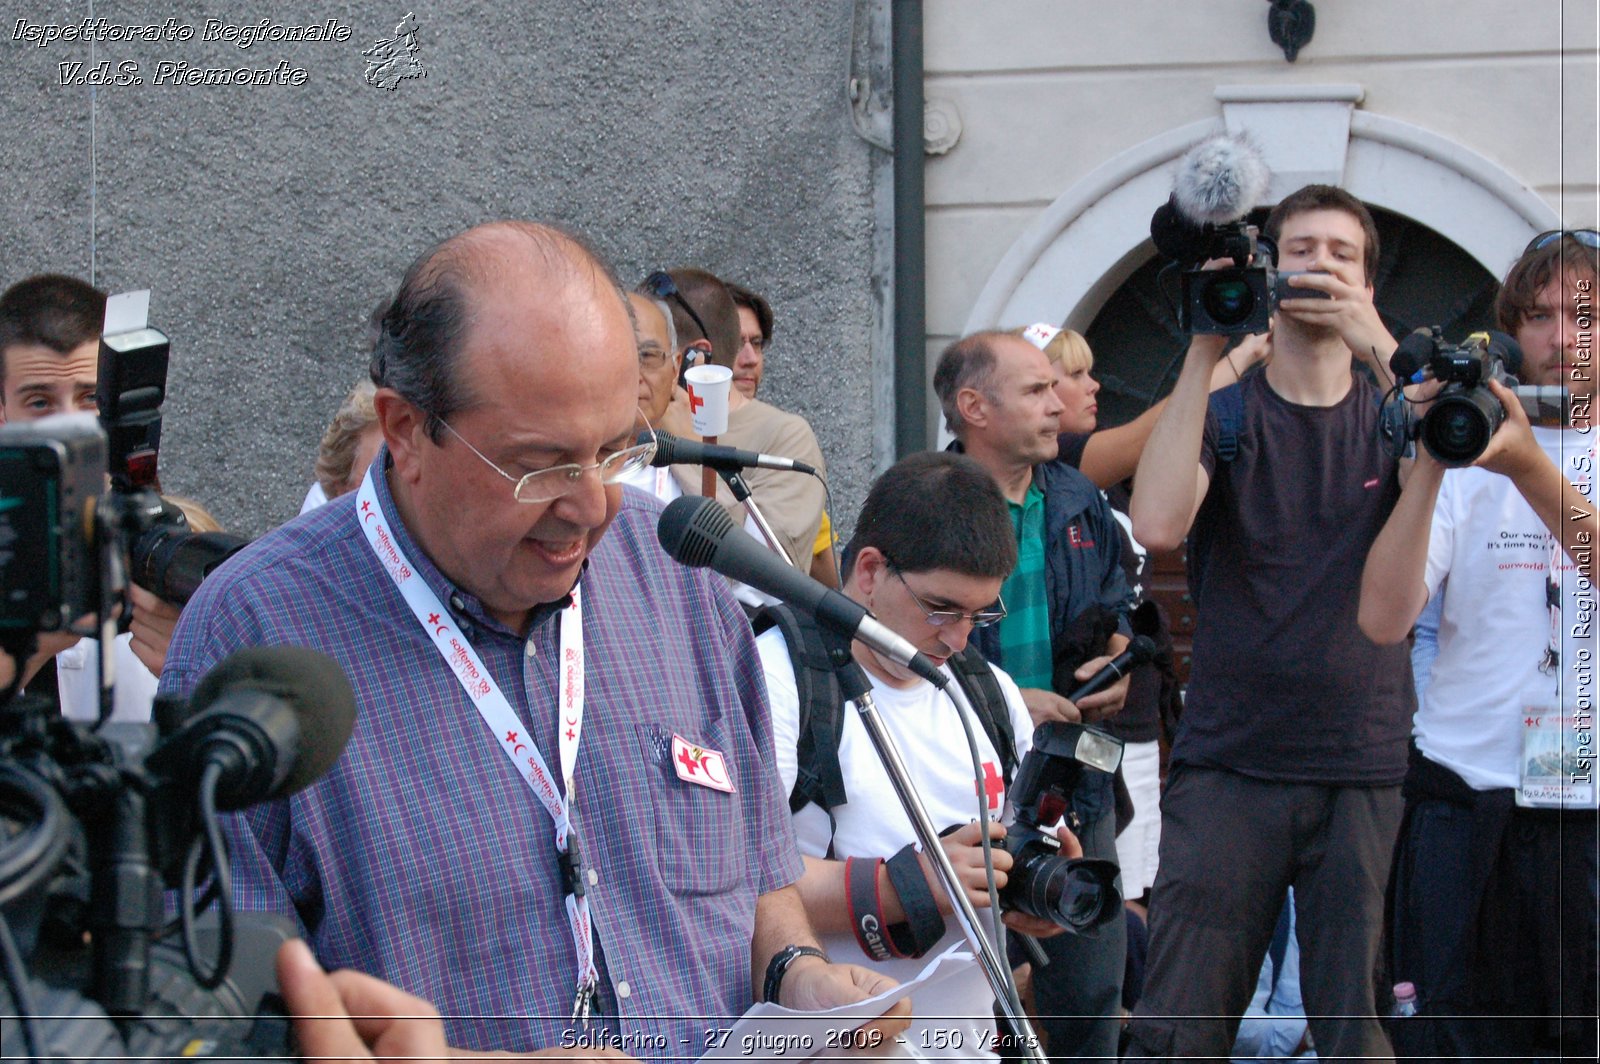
(1587,237)
(662,286)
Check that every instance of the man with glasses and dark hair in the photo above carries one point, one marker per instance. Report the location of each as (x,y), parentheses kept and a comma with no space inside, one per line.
(707,320)
(755,333)
(931,548)
(1494,885)
(1068,601)
(557,818)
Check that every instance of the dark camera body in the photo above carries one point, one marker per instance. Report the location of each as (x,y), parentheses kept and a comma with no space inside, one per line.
(89,835)
(52,472)
(1465,414)
(1079,894)
(1238,300)
(1235,300)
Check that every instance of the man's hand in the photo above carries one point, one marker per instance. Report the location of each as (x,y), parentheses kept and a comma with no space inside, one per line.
(355,1017)
(1106,702)
(153,622)
(811,984)
(1257,347)
(964,847)
(1512,450)
(1034,925)
(350,1016)
(1349,311)
(49,645)
(1045,706)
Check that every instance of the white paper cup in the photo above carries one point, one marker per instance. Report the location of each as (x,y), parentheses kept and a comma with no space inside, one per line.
(708,398)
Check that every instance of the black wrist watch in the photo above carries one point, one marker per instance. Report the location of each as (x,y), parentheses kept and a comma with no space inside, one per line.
(779,964)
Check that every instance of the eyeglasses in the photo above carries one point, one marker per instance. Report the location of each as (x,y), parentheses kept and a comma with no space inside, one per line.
(1587,237)
(547,485)
(662,286)
(653,358)
(757,344)
(939,618)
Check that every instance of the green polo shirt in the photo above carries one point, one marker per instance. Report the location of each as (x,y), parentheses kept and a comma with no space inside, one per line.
(1025,631)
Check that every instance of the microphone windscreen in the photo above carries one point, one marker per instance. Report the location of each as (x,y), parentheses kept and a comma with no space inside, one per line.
(1220,180)
(1411,354)
(310,682)
(666,444)
(1175,237)
(691,528)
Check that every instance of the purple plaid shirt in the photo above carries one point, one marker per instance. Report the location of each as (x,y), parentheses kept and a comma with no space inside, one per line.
(423,858)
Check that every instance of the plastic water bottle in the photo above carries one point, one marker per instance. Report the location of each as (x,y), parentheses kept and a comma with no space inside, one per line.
(1405,1001)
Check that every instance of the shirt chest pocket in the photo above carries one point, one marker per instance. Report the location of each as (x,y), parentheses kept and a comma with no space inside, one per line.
(700,845)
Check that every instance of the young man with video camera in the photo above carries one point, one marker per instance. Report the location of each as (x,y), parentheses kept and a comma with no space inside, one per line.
(931,548)
(1494,887)
(1291,749)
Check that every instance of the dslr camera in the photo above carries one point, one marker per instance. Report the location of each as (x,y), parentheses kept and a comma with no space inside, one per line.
(1465,413)
(67,545)
(1079,894)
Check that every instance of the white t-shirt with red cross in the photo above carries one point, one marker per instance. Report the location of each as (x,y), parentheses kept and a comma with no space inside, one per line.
(923,723)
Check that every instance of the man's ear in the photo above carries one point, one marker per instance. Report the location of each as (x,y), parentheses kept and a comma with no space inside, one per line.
(404,430)
(871,568)
(973,407)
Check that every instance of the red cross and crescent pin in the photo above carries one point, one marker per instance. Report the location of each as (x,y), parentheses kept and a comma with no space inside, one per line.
(700,765)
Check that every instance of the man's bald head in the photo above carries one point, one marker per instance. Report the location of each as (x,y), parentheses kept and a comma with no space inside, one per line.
(425,330)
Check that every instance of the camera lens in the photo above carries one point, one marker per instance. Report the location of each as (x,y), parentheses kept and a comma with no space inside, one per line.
(1458,428)
(1076,894)
(1228,300)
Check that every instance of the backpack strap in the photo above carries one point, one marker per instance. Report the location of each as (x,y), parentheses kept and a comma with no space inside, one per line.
(819,778)
(1228,405)
(976,677)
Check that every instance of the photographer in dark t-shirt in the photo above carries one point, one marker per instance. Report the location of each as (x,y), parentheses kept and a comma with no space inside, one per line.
(1292,745)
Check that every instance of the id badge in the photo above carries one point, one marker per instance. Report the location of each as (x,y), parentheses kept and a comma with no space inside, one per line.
(1557,764)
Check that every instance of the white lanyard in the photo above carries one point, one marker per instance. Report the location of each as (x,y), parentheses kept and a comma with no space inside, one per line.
(503,723)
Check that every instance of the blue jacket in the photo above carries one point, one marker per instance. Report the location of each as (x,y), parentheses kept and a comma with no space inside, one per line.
(1083,568)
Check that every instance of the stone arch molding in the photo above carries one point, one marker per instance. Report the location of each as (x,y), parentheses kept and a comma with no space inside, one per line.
(1084,245)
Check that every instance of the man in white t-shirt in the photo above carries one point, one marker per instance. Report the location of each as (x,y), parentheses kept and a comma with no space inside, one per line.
(1494,884)
(930,551)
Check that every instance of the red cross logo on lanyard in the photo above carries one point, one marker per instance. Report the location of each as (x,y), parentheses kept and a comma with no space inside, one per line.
(993,785)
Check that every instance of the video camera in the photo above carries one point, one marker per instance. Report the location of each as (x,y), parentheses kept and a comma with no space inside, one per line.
(1218,183)
(1465,413)
(1079,894)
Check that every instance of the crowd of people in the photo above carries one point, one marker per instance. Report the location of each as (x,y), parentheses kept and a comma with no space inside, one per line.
(680,817)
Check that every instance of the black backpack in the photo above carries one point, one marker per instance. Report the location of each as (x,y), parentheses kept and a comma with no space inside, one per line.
(813,651)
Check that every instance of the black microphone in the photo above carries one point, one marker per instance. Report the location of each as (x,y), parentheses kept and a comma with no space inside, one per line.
(274,718)
(675,450)
(1411,356)
(698,532)
(1140,650)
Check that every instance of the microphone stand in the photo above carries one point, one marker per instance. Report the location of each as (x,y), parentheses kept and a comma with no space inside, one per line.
(857,689)
(741,491)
